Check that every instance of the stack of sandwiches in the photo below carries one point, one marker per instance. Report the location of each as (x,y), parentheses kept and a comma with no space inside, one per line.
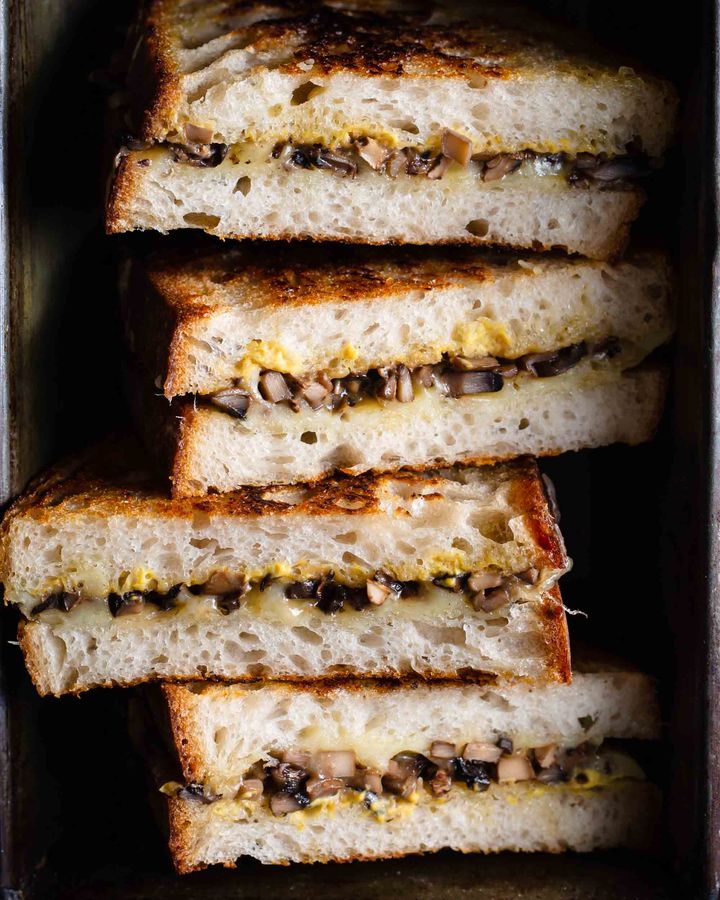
(331,538)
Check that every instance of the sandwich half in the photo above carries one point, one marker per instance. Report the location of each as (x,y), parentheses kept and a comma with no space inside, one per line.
(302,773)
(376,123)
(285,370)
(441,574)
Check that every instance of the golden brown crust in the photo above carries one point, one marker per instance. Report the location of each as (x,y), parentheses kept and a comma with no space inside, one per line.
(416,39)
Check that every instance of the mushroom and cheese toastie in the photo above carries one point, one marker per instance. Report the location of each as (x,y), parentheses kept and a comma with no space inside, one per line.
(377,122)
(307,773)
(439,574)
(286,370)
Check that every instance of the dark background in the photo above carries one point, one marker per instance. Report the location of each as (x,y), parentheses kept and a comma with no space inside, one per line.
(75,818)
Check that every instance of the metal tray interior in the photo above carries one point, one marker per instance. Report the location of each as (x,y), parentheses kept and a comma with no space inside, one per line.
(74,821)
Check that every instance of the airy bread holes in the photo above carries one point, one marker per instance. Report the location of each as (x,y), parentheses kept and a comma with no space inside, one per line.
(201,220)
(305,92)
(478,227)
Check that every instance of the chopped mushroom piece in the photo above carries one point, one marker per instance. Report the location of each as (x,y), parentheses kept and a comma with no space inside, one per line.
(233,401)
(441,783)
(443,749)
(545,756)
(323,787)
(273,387)
(500,166)
(315,393)
(476,364)
(424,375)
(223,582)
(372,152)
(405,392)
(301,758)
(483,751)
(456,146)
(251,789)
(367,780)
(198,135)
(514,768)
(482,581)
(335,764)
(283,803)
(377,593)
(460,384)
(529,576)
(492,601)
(439,168)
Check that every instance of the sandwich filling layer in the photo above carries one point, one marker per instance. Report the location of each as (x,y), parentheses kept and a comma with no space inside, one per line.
(298,780)
(365,155)
(284,599)
(453,377)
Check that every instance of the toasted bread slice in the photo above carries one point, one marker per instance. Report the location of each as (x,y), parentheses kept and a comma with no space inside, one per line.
(122,584)
(209,450)
(516,817)
(200,320)
(322,71)
(250,194)
(376,720)
(545,780)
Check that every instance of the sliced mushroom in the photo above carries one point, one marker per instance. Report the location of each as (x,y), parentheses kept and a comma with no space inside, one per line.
(228,603)
(552,775)
(622,168)
(232,400)
(499,166)
(461,384)
(273,387)
(547,365)
(456,146)
(335,162)
(129,603)
(475,364)
(388,384)
(334,764)
(405,392)
(508,370)
(372,151)
(323,787)
(62,600)
(482,751)
(197,792)
(514,768)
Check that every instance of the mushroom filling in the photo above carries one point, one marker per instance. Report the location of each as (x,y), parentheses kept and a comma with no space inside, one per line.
(485,591)
(292,780)
(581,170)
(456,376)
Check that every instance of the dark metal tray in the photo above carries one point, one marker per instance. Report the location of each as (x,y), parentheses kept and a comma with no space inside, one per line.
(641,524)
